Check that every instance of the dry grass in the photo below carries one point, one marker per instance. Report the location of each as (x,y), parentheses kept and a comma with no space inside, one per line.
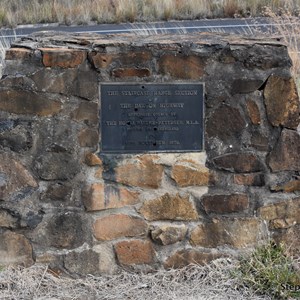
(13,12)
(213,281)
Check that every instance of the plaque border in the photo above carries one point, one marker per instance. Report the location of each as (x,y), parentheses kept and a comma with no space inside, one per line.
(119,152)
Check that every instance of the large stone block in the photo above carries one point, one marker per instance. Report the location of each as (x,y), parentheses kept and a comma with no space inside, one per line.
(16,53)
(237,233)
(251,179)
(182,67)
(190,174)
(28,103)
(243,162)
(185,257)
(282,102)
(131,72)
(87,112)
(15,249)
(286,154)
(104,196)
(168,234)
(169,207)
(144,173)
(14,178)
(225,203)
(135,252)
(62,57)
(115,226)
(88,138)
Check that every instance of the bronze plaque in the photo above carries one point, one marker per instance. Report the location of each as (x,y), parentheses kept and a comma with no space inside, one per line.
(151,117)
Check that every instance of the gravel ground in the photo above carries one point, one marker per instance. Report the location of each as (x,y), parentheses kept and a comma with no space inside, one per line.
(208,282)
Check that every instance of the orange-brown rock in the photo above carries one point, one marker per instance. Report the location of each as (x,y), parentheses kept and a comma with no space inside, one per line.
(253,112)
(142,173)
(135,252)
(15,249)
(254,179)
(115,226)
(286,211)
(18,53)
(62,57)
(131,72)
(88,138)
(103,196)
(237,233)
(92,159)
(187,257)
(182,67)
(168,234)
(282,102)
(26,102)
(169,207)
(225,203)
(190,175)
(288,187)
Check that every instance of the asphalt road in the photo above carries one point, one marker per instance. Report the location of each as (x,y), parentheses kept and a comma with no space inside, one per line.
(238,26)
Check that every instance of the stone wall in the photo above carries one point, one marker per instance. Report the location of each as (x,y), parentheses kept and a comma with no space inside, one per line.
(66,204)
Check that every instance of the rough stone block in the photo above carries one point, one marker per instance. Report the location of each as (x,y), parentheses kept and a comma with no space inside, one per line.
(18,54)
(182,67)
(282,102)
(286,154)
(243,162)
(237,233)
(188,174)
(245,86)
(92,159)
(14,178)
(115,226)
(288,187)
(131,72)
(252,179)
(253,112)
(144,173)
(168,234)
(88,138)
(99,197)
(169,207)
(185,257)
(225,203)
(7,220)
(87,112)
(15,249)
(28,103)
(135,252)
(62,57)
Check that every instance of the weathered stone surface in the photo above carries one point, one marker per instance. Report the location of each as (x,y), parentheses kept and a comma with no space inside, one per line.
(286,154)
(225,203)
(245,86)
(84,262)
(57,192)
(135,252)
(182,67)
(243,162)
(92,159)
(7,220)
(288,187)
(56,166)
(190,174)
(104,60)
(227,124)
(142,173)
(14,178)
(87,112)
(18,53)
(131,72)
(253,112)
(115,226)
(99,196)
(168,234)
(185,257)
(15,249)
(28,103)
(88,138)
(282,102)
(282,223)
(62,231)
(252,179)
(291,238)
(285,211)
(62,57)
(237,233)
(107,258)
(169,207)
(260,141)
